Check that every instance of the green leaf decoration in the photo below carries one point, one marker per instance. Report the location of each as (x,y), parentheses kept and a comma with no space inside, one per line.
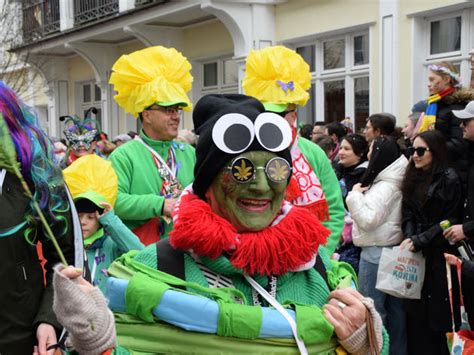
(8,158)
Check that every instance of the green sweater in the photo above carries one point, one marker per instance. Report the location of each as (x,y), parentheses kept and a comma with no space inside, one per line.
(306,287)
(139,183)
(306,290)
(332,191)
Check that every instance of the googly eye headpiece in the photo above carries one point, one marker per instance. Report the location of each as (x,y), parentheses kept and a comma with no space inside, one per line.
(229,125)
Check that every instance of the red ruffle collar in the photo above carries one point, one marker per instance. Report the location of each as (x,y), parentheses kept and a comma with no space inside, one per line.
(290,243)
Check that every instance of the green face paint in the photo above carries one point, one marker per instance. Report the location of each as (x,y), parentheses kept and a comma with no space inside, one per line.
(249,206)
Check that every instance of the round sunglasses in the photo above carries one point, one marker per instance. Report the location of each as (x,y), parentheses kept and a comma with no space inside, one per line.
(243,170)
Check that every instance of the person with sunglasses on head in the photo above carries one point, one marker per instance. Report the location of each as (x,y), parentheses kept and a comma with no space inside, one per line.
(375,207)
(431,194)
(152,169)
(280,78)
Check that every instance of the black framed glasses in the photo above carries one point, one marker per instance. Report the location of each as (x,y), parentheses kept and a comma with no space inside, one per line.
(171,110)
(420,151)
(243,170)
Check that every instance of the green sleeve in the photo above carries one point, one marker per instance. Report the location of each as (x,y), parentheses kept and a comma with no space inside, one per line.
(133,206)
(332,191)
(123,237)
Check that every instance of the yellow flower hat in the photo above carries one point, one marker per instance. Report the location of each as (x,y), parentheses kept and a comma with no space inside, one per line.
(91,173)
(153,75)
(277,75)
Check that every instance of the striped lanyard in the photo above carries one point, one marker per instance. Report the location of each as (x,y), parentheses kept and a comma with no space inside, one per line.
(169,166)
(170,186)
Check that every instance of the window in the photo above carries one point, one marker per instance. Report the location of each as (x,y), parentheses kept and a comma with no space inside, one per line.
(334,100)
(334,54)
(340,69)
(91,97)
(219,76)
(308,54)
(210,74)
(361,102)
(86,93)
(361,49)
(231,72)
(307,113)
(447,37)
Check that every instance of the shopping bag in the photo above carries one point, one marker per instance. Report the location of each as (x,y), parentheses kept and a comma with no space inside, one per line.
(462,341)
(401,273)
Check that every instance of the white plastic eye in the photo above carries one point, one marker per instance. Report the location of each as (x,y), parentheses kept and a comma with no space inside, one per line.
(273,131)
(233,133)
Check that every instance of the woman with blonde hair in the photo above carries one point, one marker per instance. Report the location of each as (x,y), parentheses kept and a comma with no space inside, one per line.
(446,94)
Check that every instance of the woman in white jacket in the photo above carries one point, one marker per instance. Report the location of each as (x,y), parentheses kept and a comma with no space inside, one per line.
(375,207)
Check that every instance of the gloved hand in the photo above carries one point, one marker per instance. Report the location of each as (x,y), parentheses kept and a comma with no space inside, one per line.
(82,310)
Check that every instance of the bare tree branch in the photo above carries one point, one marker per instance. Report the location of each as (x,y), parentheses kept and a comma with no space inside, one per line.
(15,69)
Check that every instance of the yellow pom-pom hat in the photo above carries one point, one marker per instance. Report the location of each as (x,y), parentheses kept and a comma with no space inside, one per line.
(155,75)
(277,76)
(92,177)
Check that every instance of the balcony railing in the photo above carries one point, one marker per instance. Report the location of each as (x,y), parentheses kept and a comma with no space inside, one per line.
(90,10)
(144,2)
(40,18)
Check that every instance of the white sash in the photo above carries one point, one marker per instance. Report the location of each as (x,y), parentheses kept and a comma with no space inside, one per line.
(159,158)
(283,312)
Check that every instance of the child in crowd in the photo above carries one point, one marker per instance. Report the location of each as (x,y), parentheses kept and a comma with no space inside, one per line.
(93,185)
(105,235)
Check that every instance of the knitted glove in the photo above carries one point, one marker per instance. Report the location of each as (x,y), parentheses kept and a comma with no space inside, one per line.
(358,342)
(84,313)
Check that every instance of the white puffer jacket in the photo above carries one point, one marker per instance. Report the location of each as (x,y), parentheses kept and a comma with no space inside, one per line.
(377,213)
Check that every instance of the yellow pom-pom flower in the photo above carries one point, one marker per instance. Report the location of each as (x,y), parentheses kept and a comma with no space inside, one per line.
(91,173)
(277,75)
(155,75)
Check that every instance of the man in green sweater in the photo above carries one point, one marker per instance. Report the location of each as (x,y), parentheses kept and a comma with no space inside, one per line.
(152,169)
(280,78)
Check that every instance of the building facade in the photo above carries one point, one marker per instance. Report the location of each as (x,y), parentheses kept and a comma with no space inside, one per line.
(364,57)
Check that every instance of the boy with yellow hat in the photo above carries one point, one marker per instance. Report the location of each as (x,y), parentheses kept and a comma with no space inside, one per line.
(93,185)
(280,78)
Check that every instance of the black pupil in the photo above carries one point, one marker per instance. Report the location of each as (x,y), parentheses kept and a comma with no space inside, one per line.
(237,137)
(270,135)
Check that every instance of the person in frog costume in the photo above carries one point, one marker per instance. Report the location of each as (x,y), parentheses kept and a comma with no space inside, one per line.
(241,267)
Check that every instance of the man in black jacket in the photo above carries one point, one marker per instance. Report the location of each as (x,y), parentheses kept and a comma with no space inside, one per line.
(466,229)
(466,172)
